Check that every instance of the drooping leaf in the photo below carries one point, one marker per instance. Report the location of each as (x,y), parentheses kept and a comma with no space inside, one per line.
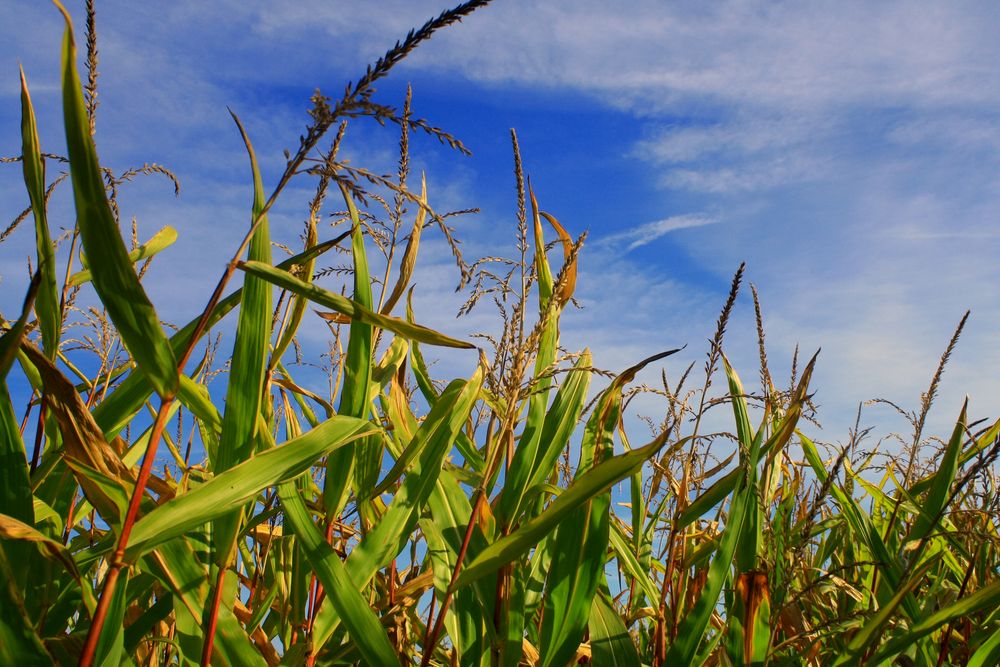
(409,260)
(120,406)
(350,308)
(232,489)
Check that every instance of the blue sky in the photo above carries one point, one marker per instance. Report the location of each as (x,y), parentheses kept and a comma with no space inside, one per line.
(849,152)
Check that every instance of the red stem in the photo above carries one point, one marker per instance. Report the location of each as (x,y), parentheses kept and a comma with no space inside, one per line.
(439,624)
(117,559)
(213,619)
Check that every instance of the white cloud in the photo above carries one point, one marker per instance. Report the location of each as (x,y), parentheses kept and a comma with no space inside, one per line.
(650,231)
(848,151)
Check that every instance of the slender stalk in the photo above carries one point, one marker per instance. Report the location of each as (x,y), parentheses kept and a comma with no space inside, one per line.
(446,603)
(213,619)
(117,559)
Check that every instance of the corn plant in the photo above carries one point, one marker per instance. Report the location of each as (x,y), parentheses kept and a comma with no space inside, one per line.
(390,518)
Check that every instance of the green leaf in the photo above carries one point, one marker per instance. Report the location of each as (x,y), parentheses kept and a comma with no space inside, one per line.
(179,568)
(19,642)
(15,485)
(610,642)
(244,391)
(438,430)
(749,447)
(10,342)
(592,483)
(12,529)
(416,445)
(428,483)
(341,589)
(862,527)
(114,278)
(466,617)
(47,301)
(578,559)
(341,304)
(118,408)
(629,563)
(531,452)
(161,240)
(692,629)
(535,457)
(988,652)
(231,489)
(875,628)
(340,467)
(933,506)
(110,644)
(417,363)
(298,308)
(246,378)
(985,598)
(779,438)
(581,543)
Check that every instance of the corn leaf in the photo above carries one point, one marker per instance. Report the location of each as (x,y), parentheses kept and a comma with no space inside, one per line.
(342,590)
(244,391)
(160,241)
(535,457)
(692,629)
(437,431)
(120,406)
(861,525)
(778,439)
(610,642)
(581,543)
(231,489)
(341,304)
(876,626)
(47,301)
(15,486)
(933,506)
(113,275)
(987,597)
(359,463)
(592,483)
(988,652)
(409,260)
(19,641)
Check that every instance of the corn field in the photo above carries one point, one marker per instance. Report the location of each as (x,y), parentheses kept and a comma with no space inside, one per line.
(506,518)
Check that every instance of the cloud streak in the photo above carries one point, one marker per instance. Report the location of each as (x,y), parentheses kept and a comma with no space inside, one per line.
(651,231)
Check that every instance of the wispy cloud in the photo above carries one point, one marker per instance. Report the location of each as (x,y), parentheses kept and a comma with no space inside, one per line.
(650,231)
